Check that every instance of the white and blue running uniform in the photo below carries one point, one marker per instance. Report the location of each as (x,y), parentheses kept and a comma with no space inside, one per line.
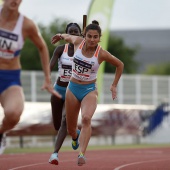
(11,44)
(64,71)
(84,69)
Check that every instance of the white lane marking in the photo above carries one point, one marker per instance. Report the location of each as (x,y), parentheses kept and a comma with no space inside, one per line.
(25,166)
(19,167)
(135,163)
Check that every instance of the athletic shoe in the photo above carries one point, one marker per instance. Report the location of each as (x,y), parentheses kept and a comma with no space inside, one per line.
(81,160)
(2,143)
(75,144)
(54,159)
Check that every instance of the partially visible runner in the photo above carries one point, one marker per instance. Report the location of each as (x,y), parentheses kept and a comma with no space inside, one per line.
(63,54)
(14,29)
(82,91)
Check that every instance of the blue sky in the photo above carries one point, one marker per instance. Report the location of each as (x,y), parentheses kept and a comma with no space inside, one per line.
(127,14)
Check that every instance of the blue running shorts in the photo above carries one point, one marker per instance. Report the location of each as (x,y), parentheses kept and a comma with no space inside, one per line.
(9,78)
(81,90)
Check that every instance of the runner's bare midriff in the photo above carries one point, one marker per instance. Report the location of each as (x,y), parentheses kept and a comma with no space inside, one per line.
(82,82)
(10,64)
(61,83)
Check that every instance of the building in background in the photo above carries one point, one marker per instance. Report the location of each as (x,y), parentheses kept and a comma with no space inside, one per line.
(154,45)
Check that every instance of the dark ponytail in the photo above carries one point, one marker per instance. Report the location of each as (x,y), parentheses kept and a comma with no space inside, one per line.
(93,26)
(95,22)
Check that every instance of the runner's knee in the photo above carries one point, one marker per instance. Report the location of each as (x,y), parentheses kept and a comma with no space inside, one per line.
(86,120)
(12,120)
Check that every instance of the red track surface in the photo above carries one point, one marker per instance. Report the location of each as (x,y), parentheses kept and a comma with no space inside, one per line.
(126,159)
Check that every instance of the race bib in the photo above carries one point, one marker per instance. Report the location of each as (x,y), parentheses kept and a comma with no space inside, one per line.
(65,73)
(8,44)
(81,69)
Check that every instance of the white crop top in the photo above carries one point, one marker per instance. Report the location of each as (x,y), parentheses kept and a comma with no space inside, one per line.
(11,42)
(84,68)
(65,65)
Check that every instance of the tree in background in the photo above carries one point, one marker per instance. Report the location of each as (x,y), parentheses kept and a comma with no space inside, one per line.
(159,69)
(31,61)
(29,56)
(126,54)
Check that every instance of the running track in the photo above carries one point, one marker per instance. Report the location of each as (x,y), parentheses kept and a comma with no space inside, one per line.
(116,159)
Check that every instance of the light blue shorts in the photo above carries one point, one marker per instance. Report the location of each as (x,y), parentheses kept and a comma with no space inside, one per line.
(81,90)
(9,78)
(61,90)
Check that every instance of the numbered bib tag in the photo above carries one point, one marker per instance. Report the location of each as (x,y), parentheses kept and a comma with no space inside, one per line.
(65,73)
(8,44)
(81,69)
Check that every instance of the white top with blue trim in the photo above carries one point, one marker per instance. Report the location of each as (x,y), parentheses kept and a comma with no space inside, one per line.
(11,42)
(85,69)
(65,65)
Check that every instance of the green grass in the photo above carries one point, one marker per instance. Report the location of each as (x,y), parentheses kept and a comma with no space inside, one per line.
(50,149)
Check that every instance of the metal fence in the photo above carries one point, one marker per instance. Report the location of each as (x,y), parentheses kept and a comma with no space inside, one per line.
(132,89)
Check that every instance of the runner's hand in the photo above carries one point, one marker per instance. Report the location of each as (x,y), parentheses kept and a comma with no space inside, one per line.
(47,86)
(55,38)
(114,92)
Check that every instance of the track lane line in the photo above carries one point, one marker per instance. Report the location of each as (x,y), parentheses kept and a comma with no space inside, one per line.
(135,163)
